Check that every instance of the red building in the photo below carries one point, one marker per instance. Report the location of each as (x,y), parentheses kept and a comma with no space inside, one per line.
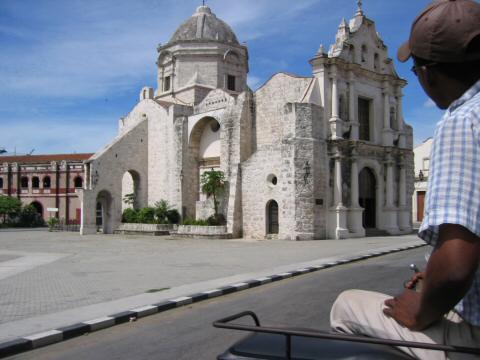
(46,182)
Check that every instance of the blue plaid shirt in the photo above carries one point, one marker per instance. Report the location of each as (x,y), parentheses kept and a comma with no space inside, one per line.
(453,194)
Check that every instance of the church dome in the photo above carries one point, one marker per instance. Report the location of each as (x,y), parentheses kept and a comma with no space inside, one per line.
(204,25)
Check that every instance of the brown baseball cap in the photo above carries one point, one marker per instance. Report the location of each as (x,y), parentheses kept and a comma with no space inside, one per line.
(443,31)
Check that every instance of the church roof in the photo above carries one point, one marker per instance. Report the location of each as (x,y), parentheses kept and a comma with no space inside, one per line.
(204,25)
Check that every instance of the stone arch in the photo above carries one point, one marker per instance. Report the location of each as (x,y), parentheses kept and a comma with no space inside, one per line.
(272,217)
(376,169)
(38,207)
(104,212)
(130,185)
(205,148)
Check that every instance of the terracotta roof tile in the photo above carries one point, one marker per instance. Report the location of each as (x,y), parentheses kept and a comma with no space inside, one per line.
(34,159)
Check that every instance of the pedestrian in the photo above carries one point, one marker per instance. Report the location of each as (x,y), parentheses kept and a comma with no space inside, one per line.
(444,45)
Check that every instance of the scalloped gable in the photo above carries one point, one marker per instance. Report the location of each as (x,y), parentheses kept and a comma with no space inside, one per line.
(359,42)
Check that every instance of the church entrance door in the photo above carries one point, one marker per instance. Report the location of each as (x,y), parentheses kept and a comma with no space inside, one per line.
(367,199)
(272,217)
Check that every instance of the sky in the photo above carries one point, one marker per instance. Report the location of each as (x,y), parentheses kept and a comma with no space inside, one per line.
(69,70)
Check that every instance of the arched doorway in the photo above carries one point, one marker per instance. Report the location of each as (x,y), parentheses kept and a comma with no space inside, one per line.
(38,207)
(367,197)
(272,217)
(130,184)
(104,212)
(204,155)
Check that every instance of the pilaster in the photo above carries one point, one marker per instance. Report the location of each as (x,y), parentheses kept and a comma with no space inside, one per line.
(336,124)
(389,211)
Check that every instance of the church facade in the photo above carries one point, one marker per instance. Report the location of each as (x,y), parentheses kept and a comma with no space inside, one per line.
(324,156)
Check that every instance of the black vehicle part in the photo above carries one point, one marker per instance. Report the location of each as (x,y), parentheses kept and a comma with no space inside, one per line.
(281,343)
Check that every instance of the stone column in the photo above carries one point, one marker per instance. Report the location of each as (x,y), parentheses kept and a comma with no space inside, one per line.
(401,123)
(403,214)
(387,132)
(336,124)
(355,212)
(389,211)
(351,108)
(341,230)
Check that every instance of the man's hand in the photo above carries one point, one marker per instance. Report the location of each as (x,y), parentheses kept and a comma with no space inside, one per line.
(405,309)
(415,280)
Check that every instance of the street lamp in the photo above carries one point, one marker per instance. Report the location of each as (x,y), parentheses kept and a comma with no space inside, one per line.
(421,177)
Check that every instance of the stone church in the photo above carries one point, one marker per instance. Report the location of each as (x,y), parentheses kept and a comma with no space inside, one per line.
(323,156)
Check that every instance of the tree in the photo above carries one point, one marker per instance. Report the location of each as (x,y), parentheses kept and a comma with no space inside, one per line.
(162,208)
(129,199)
(213,184)
(9,207)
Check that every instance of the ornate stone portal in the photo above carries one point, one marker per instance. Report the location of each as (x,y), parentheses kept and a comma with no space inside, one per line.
(326,156)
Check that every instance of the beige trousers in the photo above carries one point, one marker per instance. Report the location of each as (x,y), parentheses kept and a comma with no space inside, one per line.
(360,312)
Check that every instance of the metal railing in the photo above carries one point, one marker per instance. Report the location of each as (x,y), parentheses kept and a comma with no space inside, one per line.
(224,324)
(71,225)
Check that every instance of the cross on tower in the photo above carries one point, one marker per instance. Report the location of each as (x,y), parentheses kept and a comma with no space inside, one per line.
(359,3)
(203,1)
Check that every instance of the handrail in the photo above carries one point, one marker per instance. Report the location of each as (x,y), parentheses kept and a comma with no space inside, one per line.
(224,324)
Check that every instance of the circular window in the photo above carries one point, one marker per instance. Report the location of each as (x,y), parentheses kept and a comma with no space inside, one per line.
(215,126)
(272,180)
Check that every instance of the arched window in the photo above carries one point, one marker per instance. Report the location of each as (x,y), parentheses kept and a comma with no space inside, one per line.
(393,119)
(272,217)
(343,110)
(24,182)
(1,182)
(35,182)
(376,62)
(46,182)
(364,53)
(78,182)
(352,53)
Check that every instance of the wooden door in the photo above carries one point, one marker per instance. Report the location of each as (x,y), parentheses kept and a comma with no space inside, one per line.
(420,205)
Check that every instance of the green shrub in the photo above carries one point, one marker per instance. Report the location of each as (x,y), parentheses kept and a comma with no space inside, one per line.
(216,220)
(130,215)
(190,221)
(29,217)
(146,215)
(173,216)
(161,211)
(52,222)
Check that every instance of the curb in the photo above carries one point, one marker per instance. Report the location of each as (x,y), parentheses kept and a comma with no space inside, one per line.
(26,343)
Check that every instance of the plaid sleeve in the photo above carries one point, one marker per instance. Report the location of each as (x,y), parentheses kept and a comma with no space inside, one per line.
(453,193)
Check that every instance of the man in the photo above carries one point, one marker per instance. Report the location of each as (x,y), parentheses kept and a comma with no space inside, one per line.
(445,47)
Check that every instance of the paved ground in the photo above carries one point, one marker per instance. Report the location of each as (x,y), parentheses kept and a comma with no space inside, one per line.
(186,333)
(54,279)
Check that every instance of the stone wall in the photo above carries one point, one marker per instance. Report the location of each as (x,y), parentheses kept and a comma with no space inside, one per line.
(127,152)
(271,100)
